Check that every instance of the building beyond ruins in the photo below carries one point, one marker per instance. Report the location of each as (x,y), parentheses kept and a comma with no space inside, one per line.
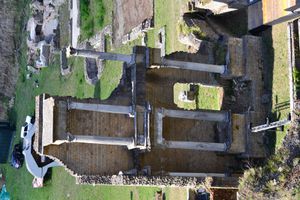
(269,12)
(140,137)
(261,13)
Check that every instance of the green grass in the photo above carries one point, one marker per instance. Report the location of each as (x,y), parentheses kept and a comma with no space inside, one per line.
(62,186)
(169,19)
(206,98)
(280,83)
(184,29)
(151,38)
(94,15)
(296,77)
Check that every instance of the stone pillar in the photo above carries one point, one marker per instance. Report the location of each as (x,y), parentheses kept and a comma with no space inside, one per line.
(220,69)
(100,108)
(118,141)
(218,116)
(101,55)
(158,127)
(204,146)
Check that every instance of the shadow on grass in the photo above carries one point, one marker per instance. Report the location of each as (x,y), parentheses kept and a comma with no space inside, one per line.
(97,90)
(235,22)
(268,63)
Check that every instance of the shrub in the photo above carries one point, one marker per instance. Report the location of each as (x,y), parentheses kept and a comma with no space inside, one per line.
(91,16)
(100,13)
(184,29)
(296,76)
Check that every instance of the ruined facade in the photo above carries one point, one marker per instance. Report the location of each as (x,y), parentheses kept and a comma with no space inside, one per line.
(140,137)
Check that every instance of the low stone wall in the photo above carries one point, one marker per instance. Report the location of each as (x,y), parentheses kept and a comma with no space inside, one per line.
(137,31)
(140,180)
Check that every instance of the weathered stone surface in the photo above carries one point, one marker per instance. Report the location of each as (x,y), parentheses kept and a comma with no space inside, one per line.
(140,180)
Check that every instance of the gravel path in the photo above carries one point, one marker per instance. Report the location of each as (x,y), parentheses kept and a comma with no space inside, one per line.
(74,15)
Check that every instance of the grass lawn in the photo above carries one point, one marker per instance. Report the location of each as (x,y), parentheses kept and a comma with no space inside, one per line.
(94,15)
(207,97)
(168,19)
(280,83)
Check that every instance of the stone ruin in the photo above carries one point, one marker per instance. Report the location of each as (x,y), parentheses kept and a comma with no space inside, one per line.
(137,31)
(43,28)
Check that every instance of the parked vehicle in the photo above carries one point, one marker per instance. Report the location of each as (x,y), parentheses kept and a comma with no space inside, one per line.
(17,157)
(27,126)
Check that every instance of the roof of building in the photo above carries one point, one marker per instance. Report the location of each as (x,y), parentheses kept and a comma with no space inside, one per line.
(266,12)
(48,120)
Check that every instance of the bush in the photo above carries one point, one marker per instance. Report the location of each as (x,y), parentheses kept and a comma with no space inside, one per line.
(91,16)
(185,30)
(296,76)
(269,180)
(100,13)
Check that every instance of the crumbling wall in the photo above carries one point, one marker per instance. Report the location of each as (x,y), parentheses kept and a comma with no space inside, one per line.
(169,181)
(140,180)
(8,68)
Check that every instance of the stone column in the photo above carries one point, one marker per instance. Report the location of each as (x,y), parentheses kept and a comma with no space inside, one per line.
(101,55)
(220,69)
(100,108)
(204,146)
(188,174)
(218,116)
(118,141)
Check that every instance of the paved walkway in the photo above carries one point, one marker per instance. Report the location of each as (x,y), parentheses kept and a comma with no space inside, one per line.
(74,15)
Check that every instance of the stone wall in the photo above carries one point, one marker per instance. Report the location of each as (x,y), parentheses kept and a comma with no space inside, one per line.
(140,180)
(8,68)
(169,181)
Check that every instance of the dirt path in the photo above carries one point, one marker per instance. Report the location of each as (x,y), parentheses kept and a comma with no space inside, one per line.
(128,14)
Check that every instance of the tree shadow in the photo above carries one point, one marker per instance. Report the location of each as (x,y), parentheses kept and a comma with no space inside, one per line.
(268,70)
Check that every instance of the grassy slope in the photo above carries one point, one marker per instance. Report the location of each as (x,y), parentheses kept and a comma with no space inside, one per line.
(208,97)
(108,5)
(280,87)
(95,14)
(169,20)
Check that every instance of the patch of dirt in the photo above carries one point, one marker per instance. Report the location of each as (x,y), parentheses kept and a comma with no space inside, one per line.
(129,14)
(222,194)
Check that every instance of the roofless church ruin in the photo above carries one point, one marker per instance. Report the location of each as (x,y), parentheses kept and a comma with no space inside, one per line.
(140,136)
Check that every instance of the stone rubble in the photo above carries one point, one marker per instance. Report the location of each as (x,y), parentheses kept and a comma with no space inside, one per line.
(141,180)
(97,42)
(42,27)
